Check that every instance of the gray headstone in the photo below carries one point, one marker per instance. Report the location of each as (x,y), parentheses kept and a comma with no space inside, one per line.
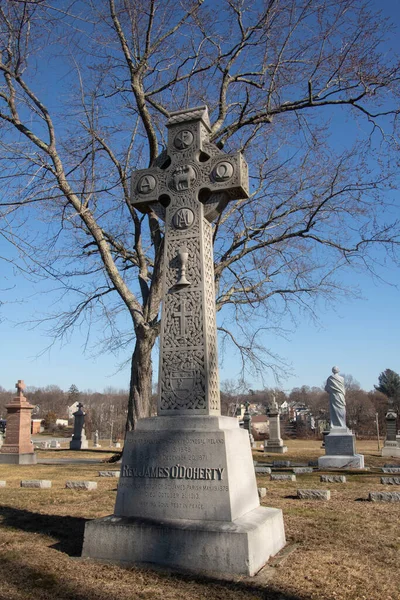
(384,496)
(109,473)
(302,470)
(36,483)
(282,477)
(333,478)
(81,485)
(262,470)
(281,463)
(390,469)
(390,480)
(314,494)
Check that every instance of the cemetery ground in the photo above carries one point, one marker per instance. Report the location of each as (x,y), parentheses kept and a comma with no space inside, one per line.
(343,549)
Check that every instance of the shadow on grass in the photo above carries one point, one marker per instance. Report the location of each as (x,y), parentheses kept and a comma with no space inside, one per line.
(67,530)
(249,585)
(69,533)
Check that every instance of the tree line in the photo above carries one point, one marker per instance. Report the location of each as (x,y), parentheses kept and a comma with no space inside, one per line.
(106,411)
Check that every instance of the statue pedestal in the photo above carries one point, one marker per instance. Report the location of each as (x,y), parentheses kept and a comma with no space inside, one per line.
(340,451)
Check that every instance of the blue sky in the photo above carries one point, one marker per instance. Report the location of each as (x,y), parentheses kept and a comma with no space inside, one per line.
(361,336)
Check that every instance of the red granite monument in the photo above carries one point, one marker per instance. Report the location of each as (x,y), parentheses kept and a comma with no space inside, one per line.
(18,448)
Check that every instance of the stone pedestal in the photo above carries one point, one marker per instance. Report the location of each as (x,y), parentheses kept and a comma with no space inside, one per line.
(275,443)
(188,498)
(17,447)
(340,450)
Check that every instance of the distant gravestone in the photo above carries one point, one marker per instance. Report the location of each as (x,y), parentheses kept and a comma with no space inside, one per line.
(384,497)
(79,441)
(314,494)
(187,495)
(340,449)
(392,440)
(96,440)
(17,447)
(274,443)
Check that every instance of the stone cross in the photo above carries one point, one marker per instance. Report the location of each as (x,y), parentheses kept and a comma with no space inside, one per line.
(188,187)
(20,385)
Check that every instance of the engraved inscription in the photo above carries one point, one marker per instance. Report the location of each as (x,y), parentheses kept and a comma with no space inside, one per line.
(175,472)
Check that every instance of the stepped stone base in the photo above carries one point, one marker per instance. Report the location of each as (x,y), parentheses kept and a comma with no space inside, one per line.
(187,498)
(241,547)
(18,459)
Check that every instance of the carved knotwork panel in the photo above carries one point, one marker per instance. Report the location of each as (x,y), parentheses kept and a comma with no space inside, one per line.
(211,325)
(182,380)
(184,317)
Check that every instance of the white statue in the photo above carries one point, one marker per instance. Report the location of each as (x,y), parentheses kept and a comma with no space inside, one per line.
(337,403)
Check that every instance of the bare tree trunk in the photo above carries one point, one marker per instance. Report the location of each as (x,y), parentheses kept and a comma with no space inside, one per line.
(141,376)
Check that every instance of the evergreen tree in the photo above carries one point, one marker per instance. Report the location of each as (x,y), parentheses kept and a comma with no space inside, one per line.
(389,384)
(73,394)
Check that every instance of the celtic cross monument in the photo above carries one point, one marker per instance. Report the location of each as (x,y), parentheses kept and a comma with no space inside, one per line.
(192,184)
(187,495)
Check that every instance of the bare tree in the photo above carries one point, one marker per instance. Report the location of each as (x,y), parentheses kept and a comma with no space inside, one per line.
(85,92)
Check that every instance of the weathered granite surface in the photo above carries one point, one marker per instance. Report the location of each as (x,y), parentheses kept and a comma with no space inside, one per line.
(216,546)
(390,469)
(36,483)
(282,477)
(390,480)
(339,462)
(384,496)
(314,494)
(81,485)
(109,473)
(263,470)
(302,470)
(333,478)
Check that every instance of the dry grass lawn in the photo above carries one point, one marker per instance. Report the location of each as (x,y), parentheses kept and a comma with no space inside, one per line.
(343,549)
